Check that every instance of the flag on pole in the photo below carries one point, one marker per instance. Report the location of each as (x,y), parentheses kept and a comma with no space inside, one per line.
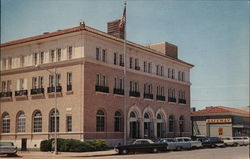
(123,19)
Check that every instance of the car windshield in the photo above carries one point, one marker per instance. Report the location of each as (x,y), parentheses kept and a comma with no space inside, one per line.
(6,144)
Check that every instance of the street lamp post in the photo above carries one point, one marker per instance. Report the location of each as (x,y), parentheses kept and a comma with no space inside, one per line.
(55,111)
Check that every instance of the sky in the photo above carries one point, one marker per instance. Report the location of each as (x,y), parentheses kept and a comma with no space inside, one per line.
(213,35)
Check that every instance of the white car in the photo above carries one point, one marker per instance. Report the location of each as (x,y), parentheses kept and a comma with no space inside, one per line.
(246,140)
(8,148)
(238,141)
(229,141)
(187,143)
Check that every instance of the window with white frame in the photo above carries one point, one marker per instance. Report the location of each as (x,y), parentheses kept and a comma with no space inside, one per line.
(115,58)
(5,123)
(22,61)
(21,84)
(21,122)
(162,70)
(9,62)
(119,83)
(41,57)
(35,58)
(70,52)
(101,80)
(118,121)
(69,81)
(100,121)
(52,121)
(147,88)
(160,91)
(171,92)
(52,56)
(3,86)
(121,60)
(34,82)
(9,84)
(134,86)
(4,63)
(104,55)
(59,54)
(58,80)
(37,122)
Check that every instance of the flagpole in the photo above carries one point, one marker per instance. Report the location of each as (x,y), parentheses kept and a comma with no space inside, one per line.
(125,80)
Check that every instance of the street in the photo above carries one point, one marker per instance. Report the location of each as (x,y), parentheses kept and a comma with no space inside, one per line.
(241,152)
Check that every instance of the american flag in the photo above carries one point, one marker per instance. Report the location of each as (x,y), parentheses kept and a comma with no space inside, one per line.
(123,19)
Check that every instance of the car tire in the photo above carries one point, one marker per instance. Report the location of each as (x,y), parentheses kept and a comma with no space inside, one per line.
(155,150)
(213,146)
(235,144)
(178,148)
(124,151)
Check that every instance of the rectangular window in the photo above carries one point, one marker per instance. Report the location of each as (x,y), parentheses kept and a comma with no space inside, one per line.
(52,55)
(34,82)
(69,123)
(59,55)
(22,61)
(51,80)
(136,63)
(130,62)
(41,57)
(145,66)
(149,67)
(104,54)
(115,58)
(173,74)
(4,64)
(10,63)
(97,54)
(121,60)
(4,88)
(35,58)
(9,86)
(69,81)
(103,80)
(21,87)
(169,73)
(179,75)
(183,76)
(162,71)
(157,69)
(40,82)
(98,83)
(70,52)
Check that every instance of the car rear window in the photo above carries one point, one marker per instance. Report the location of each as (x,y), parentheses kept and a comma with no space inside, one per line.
(6,144)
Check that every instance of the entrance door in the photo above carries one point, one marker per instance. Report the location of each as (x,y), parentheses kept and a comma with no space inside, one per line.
(24,145)
(134,129)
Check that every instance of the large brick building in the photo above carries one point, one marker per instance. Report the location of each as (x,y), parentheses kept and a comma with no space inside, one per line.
(89,66)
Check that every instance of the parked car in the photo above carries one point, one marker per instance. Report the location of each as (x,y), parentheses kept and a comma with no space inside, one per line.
(187,143)
(212,142)
(8,148)
(171,143)
(246,140)
(238,141)
(228,141)
(141,145)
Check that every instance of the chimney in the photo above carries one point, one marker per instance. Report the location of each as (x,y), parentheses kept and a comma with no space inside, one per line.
(113,29)
(165,48)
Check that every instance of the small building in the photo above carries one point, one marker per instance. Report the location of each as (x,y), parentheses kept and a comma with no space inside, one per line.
(220,121)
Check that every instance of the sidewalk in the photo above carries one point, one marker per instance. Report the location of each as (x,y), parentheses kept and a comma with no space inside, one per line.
(68,154)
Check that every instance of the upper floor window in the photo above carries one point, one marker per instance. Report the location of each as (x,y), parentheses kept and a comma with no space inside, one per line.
(160,91)
(134,86)
(101,55)
(59,55)
(119,83)
(147,88)
(115,58)
(171,92)
(121,60)
(98,54)
(52,55)
(157,70)
(70,52)
(21,84)
(162,71)
(41,57)
(57,80)
(149,67)
(145,66)
(69,81)
(22,61)
(4,86)
(4,64)
(35,58)
(131,62)
(181,94)
(9,62)
(104,55)
(37,82)
(101,80)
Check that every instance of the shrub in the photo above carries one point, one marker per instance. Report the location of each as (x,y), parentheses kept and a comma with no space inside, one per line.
(72,145)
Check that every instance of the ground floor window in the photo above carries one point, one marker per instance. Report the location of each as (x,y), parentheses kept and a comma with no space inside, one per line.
(69,123)
(52,121)
(100,120)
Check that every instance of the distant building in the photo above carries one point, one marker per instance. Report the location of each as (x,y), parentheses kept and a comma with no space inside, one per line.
(90,88)
(221,121)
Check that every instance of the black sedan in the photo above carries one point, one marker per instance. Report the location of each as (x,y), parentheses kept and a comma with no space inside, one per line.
(141,145)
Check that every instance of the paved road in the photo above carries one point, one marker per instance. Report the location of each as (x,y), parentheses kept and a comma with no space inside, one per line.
(217,153)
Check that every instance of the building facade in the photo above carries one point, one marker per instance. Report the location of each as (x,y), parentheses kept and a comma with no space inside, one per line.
(81,71)
(221,121)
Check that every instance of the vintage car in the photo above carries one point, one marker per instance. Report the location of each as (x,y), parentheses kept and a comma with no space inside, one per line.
(212,142)
(228,141)
(8,148)
(141,145)
(246,140)
(238,141)
(171,143)
(187,143)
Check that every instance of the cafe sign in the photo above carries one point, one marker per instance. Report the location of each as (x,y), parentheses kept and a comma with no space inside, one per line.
(226,120)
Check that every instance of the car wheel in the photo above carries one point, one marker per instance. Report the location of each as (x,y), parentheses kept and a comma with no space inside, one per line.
(178,148)
(235,144)
(155,150)
(212,146)
(124,151)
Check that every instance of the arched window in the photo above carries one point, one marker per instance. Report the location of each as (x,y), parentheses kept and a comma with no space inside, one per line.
(21,122)
(37,121)
(118,121)
(132,115)
(159,116)
(181,123)
(100,120)
(6,123)
(146,116)
(52,121)
(171,123)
